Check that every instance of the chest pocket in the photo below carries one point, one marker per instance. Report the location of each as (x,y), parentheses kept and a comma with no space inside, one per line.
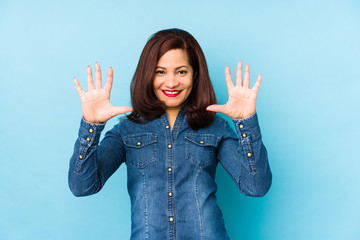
(201,148)
(141,149)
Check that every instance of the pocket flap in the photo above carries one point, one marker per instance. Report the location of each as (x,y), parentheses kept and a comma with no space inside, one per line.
(140,140)
(202,139)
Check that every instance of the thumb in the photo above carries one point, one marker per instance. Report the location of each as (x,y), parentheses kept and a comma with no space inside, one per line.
(121,110)
(216,108)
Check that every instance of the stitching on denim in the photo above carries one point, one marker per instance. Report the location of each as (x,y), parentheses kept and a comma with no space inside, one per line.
(83,150)
(139,137)
(145,210)
(174,222)
(250,160)
(173,187)
(210,148)
(79,162)
(190,137)
(199,207)
(229,169)
(132,150)
(98,183)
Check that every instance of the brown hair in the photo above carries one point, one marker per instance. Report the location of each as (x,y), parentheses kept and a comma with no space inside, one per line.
(145,104)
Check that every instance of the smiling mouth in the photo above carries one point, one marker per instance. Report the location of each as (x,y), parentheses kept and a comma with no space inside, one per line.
(171,93)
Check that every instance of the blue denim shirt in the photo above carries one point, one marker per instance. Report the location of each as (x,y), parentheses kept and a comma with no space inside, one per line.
(171,173)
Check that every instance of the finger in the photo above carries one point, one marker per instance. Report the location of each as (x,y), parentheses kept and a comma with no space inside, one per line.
(90,84)
(239,74)
(109,80)
(97,75)
(257,84)
(121,110)
(247,76)
(216,108)
(79,89)
(229,82)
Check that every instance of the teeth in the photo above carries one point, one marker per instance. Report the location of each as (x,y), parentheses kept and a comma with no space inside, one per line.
(171,92)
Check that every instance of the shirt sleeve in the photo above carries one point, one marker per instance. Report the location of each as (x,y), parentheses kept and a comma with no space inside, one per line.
(92,163)
(244,156)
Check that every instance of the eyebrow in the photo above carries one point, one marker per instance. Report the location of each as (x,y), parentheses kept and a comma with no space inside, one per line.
(175,68)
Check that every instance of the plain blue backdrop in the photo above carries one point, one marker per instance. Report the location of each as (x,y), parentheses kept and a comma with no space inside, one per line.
(308,52)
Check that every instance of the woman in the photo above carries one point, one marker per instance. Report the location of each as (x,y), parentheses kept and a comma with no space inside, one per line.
(172,141)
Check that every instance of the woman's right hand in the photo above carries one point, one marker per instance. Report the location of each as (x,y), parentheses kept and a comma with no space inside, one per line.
(95,103)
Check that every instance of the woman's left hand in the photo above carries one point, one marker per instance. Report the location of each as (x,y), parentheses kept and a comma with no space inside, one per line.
(242,99)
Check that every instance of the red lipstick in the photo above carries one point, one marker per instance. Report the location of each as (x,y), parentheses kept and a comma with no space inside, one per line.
(171,93)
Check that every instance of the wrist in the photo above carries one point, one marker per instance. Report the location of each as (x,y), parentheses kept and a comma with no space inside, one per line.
(93,121)
(244,116)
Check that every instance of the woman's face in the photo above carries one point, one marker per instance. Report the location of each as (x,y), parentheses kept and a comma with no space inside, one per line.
(173,79)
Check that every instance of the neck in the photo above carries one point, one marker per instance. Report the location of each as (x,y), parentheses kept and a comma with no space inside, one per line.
(172,114)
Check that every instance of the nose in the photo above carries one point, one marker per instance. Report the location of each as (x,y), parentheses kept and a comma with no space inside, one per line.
(171,81)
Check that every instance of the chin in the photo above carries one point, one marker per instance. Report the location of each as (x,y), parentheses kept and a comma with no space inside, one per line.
(173,105)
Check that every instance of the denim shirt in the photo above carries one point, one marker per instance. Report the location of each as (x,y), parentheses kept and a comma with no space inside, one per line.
(171,173)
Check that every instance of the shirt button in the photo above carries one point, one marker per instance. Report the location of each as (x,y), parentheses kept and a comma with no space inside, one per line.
(167,126)
(88,139)
(176,128)
(171,219)
(249,154)
(91,130)
(169,169)
(170,194)
(244,135)
(81,156)
(138,143)
(201,142)
(169,146)
(241,126)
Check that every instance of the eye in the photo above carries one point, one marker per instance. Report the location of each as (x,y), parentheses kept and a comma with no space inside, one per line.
(160,72)
(182,72)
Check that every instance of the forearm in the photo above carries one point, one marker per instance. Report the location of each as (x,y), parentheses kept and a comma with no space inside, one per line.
(255,174)
(83,171)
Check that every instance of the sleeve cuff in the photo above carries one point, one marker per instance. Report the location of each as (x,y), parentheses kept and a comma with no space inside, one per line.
(248,128)
(90,132)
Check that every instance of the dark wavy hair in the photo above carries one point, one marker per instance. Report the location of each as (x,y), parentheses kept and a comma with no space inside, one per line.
(146,106)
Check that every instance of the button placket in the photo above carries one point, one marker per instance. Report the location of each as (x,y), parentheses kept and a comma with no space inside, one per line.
(170,178)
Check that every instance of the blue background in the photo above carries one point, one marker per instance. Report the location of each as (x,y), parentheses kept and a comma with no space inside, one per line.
(308,52)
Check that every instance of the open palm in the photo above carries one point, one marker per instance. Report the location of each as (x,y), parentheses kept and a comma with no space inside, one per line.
(242,99)
(95,103)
